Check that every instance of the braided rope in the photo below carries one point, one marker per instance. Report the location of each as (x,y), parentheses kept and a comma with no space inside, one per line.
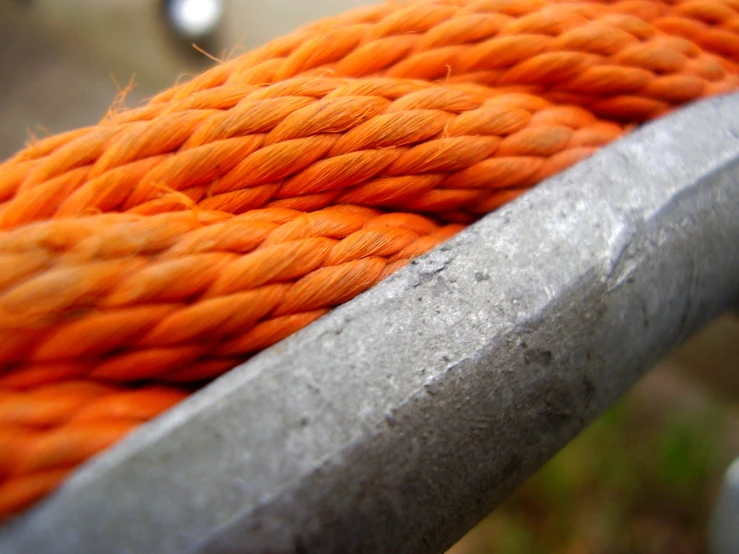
(150,295)
(714,26)
(48,430)
(614,64)
(153,252)
(310,142)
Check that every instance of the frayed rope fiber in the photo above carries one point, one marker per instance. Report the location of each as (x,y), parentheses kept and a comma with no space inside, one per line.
(146,255)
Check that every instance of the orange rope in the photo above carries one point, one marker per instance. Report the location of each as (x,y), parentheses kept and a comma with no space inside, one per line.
(311,142)
(714,26)
(150,295)
(160,248)
(48,430)
(593,55)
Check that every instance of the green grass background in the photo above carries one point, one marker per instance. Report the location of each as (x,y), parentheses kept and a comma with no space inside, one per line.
(642,479)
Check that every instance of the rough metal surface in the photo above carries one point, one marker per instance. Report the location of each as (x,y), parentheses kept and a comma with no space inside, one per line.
(400,419)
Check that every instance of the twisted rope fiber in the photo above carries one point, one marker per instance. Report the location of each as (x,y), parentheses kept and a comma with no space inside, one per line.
(597,56)
(149,294)
(150,253)
(311,142)
(54,427)
(714,26)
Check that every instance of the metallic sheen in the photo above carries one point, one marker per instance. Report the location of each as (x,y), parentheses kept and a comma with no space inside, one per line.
(400,419)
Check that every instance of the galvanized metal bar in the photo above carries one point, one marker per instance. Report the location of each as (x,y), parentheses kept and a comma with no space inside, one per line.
(400,419)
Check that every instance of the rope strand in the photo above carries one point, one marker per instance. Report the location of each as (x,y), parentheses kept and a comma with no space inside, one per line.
(47,430)
(129,297)
(310,142)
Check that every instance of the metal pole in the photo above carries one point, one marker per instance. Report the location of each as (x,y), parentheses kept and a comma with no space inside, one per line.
(400,419)
(725,520)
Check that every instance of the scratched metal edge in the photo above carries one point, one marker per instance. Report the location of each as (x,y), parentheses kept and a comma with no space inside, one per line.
(425,504)
(397,421)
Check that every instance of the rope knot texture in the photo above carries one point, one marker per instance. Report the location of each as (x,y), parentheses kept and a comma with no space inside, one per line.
(146,255)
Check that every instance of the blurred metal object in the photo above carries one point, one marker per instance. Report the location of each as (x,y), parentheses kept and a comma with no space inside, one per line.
(400,419)
(725,525)
(64,62)
(195,21)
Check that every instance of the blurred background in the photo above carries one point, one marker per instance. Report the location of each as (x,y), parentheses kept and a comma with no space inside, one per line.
(642,479)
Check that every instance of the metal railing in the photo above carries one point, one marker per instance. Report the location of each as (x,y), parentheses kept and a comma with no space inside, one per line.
(400,419)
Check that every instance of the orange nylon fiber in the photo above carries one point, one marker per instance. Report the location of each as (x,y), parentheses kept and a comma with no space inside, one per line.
(146,255)
(310,142)
(714,26)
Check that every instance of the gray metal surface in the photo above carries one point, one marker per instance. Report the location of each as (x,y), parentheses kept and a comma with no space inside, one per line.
(725,524)
(400,419)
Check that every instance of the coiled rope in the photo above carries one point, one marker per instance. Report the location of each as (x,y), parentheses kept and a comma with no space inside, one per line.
(158,249)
